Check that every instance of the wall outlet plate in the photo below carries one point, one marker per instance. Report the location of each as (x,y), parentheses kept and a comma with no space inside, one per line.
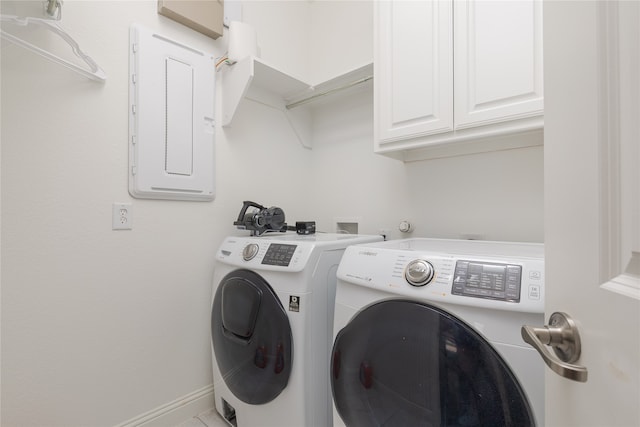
(122,216)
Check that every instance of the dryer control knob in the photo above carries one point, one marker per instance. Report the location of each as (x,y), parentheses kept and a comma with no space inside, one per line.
(250,251)
(419,272)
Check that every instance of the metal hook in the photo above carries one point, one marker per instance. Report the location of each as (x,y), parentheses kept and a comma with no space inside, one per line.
(53,6)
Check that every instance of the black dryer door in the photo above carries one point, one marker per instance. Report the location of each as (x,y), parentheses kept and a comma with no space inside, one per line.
(252,338)
(404,363)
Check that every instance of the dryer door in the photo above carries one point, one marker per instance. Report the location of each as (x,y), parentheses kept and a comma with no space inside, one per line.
(404,363)
(252,337)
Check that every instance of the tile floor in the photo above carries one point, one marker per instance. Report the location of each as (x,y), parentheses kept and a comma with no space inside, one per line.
(210,418)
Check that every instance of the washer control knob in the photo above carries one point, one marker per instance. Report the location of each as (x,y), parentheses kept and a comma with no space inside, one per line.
(250,251)
(419,272)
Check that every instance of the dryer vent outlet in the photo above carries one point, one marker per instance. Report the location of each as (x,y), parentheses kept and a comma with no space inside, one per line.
(347,227)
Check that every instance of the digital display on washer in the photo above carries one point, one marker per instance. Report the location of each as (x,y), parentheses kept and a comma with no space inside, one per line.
(487,280)
(279,254)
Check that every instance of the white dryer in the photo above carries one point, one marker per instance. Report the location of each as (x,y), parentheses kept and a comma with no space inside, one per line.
(271,327)
(427,332)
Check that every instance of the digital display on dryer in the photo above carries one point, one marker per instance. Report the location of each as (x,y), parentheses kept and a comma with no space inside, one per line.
(279,254)
(487,280)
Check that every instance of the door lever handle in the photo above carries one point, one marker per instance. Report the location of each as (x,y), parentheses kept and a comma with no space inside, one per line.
(561,334)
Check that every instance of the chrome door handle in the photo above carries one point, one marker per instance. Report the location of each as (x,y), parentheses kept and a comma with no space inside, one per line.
(561,334)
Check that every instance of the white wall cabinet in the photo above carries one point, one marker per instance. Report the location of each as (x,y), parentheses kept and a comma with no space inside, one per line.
(454,77)
(413,69)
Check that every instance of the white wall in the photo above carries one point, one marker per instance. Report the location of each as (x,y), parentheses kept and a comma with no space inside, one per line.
(100,326)
(313,40)
(496,196)
(282,28)
(341,37)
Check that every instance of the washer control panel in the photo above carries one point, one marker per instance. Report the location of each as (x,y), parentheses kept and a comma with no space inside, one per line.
(279,254)
(275,254)
(500,275)
(284,252)
(264,254)
(487,280)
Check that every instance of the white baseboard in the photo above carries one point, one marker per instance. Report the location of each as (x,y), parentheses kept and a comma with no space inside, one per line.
(175,412)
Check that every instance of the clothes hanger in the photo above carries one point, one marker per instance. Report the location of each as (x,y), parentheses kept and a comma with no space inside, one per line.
(53,9)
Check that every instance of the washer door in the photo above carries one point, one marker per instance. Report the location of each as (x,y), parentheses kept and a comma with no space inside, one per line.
(252,337)
(404,363)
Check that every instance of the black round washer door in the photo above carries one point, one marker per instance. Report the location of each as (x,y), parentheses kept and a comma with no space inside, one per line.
(252,338)
(404,363)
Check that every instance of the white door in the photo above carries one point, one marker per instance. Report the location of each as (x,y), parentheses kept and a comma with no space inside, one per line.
(592,186)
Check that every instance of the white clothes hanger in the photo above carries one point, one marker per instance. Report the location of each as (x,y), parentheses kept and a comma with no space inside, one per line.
(53,9)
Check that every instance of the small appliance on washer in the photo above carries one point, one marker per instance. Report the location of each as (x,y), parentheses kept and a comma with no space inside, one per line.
(427,332)
(271,327)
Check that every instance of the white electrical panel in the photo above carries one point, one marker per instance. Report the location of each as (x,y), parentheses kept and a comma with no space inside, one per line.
(171,119)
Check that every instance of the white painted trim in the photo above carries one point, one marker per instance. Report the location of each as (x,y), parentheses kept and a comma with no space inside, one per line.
(624,284)
(627,283)
(175,412)
(618,190)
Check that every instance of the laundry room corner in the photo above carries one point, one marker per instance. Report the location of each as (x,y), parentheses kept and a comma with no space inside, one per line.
(491,195)
(103,326)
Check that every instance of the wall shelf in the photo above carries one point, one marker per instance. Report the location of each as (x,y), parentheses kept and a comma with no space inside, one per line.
(255,78)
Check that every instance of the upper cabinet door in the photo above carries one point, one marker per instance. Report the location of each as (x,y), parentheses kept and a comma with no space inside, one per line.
(413,66)
(498,57)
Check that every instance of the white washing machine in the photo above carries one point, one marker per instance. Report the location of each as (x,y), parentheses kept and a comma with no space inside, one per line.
(271,327)
(427,332)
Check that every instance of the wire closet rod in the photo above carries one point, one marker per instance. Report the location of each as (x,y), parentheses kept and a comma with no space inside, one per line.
(328,92)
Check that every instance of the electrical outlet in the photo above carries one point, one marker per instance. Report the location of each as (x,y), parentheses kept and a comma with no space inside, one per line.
(122,216)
